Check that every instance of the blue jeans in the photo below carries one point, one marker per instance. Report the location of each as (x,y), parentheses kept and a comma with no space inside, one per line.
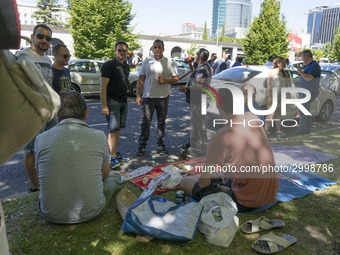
(305,121)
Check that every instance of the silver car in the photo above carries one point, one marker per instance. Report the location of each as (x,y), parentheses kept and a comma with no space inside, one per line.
(322,107)
(85,76)
(330,77)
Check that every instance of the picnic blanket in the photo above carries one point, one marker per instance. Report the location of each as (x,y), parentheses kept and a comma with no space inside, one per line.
(298,155)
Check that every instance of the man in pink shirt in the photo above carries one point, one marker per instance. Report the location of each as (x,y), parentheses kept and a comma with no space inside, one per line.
(236,149)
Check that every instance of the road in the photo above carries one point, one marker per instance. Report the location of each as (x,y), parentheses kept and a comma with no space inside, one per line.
(13,178)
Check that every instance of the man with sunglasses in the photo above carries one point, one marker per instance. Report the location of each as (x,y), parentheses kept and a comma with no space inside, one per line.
(41,41)
(155,76)
(61,75)
(113,95)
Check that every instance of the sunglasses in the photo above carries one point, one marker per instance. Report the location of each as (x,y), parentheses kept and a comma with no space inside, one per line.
(122,50)
(40,37)
(66,56)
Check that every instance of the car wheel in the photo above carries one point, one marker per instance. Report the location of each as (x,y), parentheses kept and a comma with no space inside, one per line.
(326,111)
(75,88)
(133,89)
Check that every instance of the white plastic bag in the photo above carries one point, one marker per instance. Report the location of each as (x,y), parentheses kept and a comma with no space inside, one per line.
(218,221)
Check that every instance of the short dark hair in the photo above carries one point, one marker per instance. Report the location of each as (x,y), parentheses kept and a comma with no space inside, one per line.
(72,106)
(121,42)
(158,41)
(35,29)
(270,58)
(213,54)
(239,59)
(226,99)
(57,47)
(204,54)
(307,53)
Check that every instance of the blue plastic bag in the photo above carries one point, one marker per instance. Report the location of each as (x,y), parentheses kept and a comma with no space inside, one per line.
(160,218)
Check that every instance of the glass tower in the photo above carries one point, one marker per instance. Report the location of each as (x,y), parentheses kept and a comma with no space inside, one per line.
(235,13)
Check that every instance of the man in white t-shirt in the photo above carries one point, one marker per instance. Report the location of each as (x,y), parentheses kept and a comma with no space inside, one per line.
(155,76)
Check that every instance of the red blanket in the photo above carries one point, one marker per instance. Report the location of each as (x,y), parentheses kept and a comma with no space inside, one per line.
(157,170)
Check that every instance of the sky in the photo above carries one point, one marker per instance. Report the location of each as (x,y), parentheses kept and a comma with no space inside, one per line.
(153,17)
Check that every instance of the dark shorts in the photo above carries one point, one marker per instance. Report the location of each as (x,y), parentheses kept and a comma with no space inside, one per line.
(29,148)
(117,115)
(198,193)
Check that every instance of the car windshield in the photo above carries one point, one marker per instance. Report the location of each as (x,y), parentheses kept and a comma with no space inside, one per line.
(182,64)
(237,75)
(326,74)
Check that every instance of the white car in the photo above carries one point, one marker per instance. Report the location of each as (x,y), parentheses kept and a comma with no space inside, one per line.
(322,107)
(85,76)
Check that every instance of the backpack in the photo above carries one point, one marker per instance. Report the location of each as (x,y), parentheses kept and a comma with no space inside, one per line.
(26,102)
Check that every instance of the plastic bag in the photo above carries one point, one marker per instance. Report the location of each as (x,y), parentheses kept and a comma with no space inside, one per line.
(173,182)
(218,221)
(125,199)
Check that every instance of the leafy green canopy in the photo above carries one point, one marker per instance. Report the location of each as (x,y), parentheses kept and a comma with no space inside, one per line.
(335,47)
(45,13)
(267,34)
(205,33)
(96,25)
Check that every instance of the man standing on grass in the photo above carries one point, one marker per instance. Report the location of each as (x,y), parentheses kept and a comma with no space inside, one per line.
(113,95)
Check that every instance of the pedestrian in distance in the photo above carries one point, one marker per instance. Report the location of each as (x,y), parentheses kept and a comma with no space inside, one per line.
(41,41)
(212,59)
(220,65)
(238,62)
(113,96)
(310,80)
(61,75)
(155,77)
(269,63)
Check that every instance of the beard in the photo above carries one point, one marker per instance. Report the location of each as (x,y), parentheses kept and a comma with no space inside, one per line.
(41,46)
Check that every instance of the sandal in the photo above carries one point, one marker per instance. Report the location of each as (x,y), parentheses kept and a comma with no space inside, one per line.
(272,243)
(261,224)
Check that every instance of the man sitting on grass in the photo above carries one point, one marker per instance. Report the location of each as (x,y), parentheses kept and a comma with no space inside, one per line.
(72,160)
(237,147)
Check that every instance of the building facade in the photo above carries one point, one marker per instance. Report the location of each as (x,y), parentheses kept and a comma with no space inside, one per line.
(235,14)
(330,20)
(314,23)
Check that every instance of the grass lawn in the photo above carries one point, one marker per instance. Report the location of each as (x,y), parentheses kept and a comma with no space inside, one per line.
(314,220)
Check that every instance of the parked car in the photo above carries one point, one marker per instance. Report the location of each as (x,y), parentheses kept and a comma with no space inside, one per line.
(322,107)
(85,76)
(330,77)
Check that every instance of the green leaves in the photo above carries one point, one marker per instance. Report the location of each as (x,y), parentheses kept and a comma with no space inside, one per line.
(96,25)
(267,34)
(45,13)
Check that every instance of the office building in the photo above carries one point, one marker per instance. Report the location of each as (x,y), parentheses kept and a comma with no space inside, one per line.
(314,23)
(329,22)
(235,14)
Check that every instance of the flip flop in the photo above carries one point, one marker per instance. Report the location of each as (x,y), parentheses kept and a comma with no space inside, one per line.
(272,243)
(261,224)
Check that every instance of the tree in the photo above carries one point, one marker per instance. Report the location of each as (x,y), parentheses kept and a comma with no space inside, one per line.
(96,25)
(335,51)
(223,32)
(192,50)
(45,13)
(205,33)
(267,34)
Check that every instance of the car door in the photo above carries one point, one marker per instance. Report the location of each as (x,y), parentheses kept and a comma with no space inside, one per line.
(182,69)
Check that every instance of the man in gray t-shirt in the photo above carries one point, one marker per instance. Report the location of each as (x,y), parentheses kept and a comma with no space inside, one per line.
(41,41)
(72,160)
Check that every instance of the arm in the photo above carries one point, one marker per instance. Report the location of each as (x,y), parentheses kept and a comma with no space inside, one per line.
(140,88)
(174,80)
(269,89)
(103,95)
(306,76)
(106,170)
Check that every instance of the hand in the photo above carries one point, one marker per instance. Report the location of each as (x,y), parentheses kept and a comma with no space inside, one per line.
(105,110)
(161,80)
(139,101)
(299,69)
(182,88)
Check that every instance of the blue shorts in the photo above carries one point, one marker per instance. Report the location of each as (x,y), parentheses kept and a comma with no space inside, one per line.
(29,148)
(117,115)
